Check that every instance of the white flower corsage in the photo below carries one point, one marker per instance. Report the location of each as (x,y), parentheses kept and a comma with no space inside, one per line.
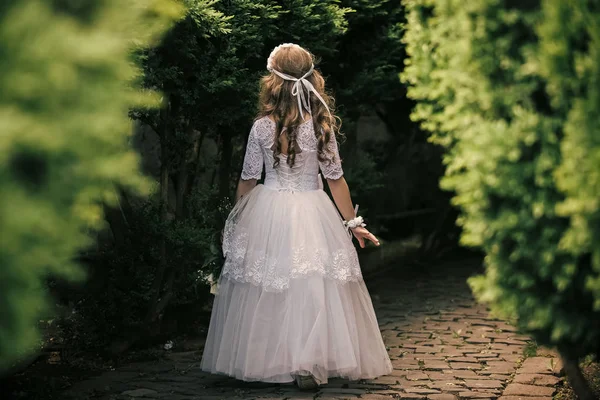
(355,223)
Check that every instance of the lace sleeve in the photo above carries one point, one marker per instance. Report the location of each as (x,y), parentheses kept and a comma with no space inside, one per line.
(253,160)
(332,169)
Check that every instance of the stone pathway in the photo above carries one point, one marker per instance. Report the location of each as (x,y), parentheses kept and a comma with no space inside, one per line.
(442,344)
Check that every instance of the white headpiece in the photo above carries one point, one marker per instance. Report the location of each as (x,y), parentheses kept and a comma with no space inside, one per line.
(302,88)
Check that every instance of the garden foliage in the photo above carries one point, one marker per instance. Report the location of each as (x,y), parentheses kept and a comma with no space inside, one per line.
(512,91)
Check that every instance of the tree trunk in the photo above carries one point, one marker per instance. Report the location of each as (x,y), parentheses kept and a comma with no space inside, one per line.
(124,204)
(167,293)
(181,190)
(164,208)
(225,165)
(117,224)
(186,176)
(576,379)
(198,164)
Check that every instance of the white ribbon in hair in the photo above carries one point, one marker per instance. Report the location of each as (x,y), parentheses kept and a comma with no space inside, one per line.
(299,91)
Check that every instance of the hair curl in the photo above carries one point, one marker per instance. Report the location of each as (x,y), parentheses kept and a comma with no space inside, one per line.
(277,102)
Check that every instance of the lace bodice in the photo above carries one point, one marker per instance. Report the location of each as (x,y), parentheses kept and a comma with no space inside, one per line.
(304,175)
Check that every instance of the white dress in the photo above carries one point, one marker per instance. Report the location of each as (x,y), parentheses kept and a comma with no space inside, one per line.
(291,296)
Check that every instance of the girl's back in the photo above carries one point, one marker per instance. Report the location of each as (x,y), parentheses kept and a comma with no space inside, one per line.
(303,174)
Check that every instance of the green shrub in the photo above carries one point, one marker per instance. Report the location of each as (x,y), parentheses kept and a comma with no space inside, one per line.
(512,89)
(115,301)
(65,73)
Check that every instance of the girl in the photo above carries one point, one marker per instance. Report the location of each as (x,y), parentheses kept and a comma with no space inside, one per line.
(292,304)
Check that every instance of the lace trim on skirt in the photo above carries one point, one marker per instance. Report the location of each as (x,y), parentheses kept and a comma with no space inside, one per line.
(274,274)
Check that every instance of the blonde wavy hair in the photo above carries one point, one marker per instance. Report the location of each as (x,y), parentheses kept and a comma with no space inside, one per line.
(276,101)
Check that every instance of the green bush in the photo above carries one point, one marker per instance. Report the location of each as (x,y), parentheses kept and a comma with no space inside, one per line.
(65,73)
(512,89)
(114,302)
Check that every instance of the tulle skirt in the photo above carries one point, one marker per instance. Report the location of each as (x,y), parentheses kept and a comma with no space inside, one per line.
(291,298)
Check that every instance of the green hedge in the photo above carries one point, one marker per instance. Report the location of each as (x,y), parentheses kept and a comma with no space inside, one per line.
(66,74)
(512,90)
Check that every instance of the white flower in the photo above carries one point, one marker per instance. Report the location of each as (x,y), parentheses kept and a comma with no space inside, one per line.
(214,285)
(168,345)
(355,223)
(275,50)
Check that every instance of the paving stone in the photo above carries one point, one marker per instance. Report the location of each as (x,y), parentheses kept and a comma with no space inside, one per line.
(523,398)
(539,365)
(421,390)
(468,366)
(447,386)
(483,384)
(426,349)
(490,358)
(437,356)
(469,349)
(412,396)
(404,383)
(465,359)
(417,376)
(372,396)
(498,367)
(509,340)
(419,335)
(478,340)
(450,353)
(385,380)
(409,367)
(513,358)
(499,377)
(336,391)
(438,376)
(140,393)
(505,349)
(359,385)
(536,379)
(483,322)
(435,365)
(441,396)
(476,395)
(432,343)
(518,389)
(464,374)
(488,390)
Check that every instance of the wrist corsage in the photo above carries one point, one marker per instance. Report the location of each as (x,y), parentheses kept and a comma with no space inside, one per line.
(356,221)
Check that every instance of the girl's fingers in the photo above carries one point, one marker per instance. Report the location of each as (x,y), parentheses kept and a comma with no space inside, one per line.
(363,234)
(373,239)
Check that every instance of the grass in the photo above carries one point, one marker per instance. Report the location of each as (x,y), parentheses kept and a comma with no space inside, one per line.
(530,349)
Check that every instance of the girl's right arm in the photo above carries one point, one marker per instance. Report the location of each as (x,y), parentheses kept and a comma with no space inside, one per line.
(244,187)
(253,165)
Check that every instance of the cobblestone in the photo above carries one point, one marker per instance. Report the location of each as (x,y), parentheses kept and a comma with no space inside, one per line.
(443,346)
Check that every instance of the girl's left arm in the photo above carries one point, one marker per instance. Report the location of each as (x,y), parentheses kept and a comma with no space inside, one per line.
(343,201)
(333,172)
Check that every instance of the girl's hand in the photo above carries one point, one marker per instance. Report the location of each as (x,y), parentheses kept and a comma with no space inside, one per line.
(361,234)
